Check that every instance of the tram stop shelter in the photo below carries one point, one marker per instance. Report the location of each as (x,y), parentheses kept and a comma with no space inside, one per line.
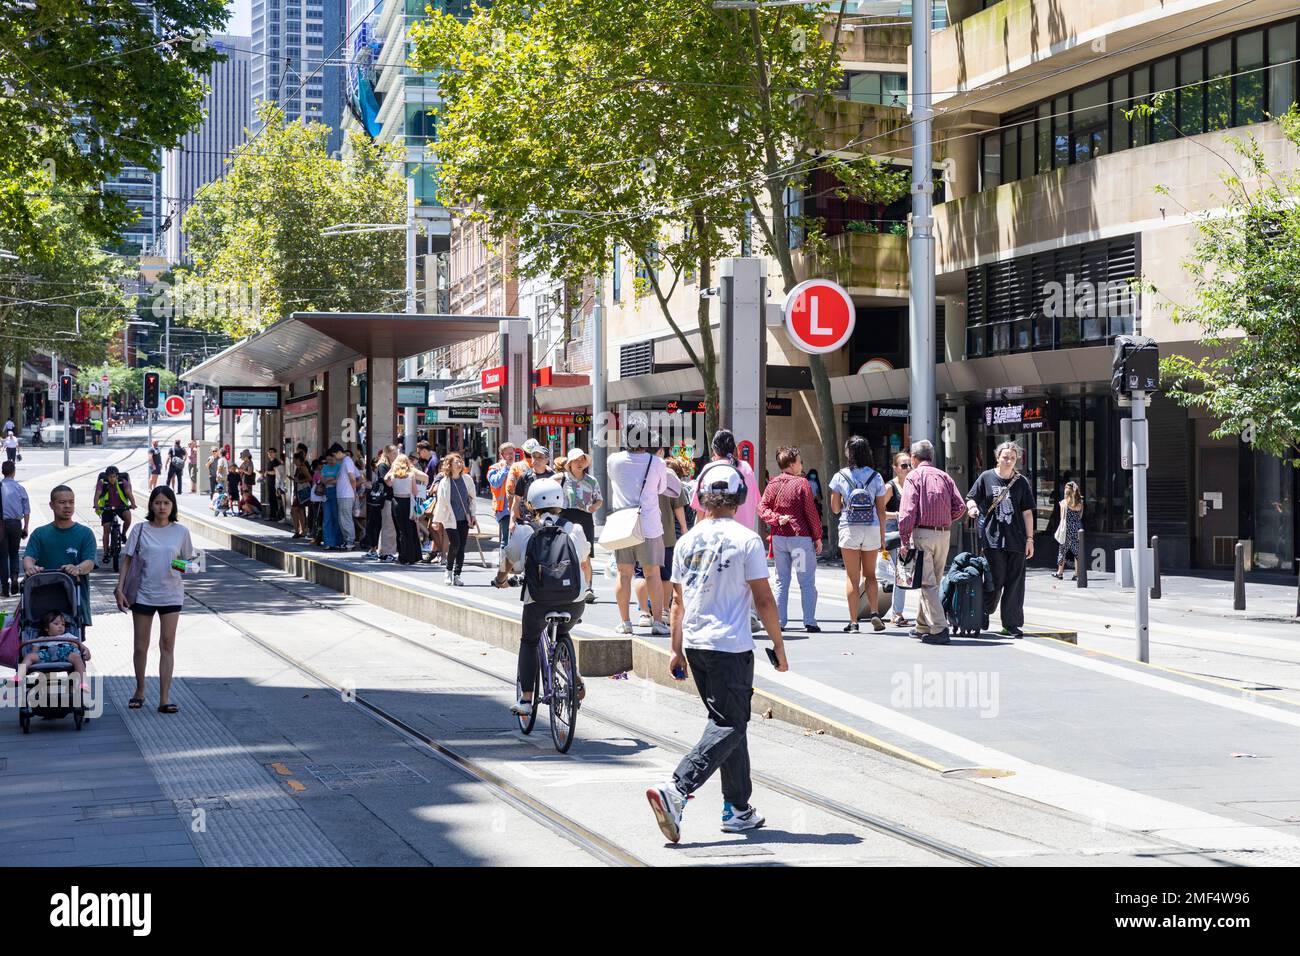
(315,376)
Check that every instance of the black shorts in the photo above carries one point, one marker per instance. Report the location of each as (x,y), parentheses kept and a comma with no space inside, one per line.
(107,516)
(148,610)
(587,522)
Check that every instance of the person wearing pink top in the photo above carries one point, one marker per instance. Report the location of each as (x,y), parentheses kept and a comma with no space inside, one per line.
(724,447)
(931,503)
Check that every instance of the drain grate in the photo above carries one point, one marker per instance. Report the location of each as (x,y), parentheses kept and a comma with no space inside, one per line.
(351,776)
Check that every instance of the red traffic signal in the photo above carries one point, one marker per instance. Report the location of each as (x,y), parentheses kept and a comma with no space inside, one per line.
(65,388)
(151,390)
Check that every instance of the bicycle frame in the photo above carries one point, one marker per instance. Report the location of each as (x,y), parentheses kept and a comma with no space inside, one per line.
(545,651)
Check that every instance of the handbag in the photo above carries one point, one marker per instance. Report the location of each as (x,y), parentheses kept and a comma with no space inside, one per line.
(9,639)
(911,570)
(134,573)
(1060,529)
(623,528)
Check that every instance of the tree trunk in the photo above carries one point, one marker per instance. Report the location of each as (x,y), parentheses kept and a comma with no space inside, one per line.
(709,367)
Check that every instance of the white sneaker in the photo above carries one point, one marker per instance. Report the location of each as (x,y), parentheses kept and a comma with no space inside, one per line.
(737,821)
(624,628)
(645,620)
(457,581)
(667,803)
(591,596)
(448,579)
(659,627)
(522,708)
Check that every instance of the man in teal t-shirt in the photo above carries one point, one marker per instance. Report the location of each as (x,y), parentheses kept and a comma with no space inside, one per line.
(63,545)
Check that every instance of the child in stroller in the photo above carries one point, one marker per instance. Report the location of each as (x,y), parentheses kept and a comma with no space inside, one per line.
(53,625)
(51,630)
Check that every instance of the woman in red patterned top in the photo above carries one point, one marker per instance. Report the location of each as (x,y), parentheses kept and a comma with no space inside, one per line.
(789,510)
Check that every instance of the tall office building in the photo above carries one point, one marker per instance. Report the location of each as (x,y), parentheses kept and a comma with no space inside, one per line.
(202,155)
(296,52)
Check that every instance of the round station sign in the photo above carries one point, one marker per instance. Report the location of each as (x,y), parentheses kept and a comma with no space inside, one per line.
(175,405)
(819,316)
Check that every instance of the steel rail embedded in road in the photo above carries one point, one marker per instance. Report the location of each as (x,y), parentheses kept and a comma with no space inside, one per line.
(585,839)
(800,794)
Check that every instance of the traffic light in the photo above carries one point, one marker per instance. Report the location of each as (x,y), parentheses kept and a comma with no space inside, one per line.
(65,388)
(151,390)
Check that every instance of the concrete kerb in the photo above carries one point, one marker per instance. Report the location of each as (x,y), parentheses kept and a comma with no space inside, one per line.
(598,655)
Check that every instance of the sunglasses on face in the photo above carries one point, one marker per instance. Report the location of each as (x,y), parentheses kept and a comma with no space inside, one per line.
(905,465)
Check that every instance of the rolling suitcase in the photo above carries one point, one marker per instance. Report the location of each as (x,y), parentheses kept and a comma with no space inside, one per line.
(967,613)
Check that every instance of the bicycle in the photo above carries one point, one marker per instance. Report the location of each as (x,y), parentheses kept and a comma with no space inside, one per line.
(556,684)
(114,551)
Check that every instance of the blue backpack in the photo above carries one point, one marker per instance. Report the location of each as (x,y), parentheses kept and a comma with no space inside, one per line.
(859,506)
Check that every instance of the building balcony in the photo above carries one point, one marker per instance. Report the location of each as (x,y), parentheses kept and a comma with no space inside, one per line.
(868,44)
(857,127)
(868,265)
(1023,39)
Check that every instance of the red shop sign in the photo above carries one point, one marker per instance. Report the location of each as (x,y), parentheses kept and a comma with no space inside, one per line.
(493,377)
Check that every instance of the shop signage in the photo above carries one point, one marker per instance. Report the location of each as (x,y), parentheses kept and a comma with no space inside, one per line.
(452,415)
(780,407)
(552,419)
(493,377)
(302,406)
(688,407)
(1017,416)
(250,397)
(490,415)
(819,316)
(412,394)
(888,411)
(543,377)
(581,419)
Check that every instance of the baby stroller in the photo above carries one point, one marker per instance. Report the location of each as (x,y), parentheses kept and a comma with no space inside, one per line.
(56,695)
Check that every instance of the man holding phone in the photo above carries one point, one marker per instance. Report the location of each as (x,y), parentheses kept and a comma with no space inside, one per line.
(719,572)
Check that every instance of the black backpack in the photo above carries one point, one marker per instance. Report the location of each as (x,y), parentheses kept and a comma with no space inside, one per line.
(552,571)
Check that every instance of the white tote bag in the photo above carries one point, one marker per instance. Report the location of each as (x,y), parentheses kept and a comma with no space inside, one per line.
(623,528)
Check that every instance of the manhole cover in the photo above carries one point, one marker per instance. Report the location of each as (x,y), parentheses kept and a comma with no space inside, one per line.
(349,776)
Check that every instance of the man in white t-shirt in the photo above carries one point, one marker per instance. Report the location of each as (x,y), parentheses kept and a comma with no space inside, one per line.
(719,566)
(346,494)
(637,479)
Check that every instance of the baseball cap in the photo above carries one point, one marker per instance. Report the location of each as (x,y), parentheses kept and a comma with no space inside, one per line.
(720,478)
(530,446)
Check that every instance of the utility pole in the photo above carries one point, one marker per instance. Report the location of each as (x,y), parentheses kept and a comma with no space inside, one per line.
(599,446)
(409,413)
(1141,458)
(923,401)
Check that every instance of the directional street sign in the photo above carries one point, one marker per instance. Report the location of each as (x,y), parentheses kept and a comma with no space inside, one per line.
(819,316)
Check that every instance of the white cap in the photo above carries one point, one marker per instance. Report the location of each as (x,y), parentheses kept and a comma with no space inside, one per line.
(530,446)
(719,477)
(576,452)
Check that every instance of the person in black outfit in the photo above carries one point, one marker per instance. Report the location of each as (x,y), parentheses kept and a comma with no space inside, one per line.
(176,467)
(1002,503)
(17,514)
(378,497)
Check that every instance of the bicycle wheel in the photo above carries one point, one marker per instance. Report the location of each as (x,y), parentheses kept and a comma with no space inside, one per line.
(115,543)
(526,723)
(564,694)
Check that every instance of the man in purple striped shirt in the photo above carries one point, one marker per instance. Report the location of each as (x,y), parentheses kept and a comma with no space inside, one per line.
(931,503)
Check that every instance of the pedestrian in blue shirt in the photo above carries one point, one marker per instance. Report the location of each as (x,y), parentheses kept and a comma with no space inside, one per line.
(17,515)
(63,545)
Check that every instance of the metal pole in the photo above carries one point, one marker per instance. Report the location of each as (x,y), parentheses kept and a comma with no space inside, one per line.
(922,409)
(67,424)
(409,413)
(1140,458)
(1239,577)
(167,342)
(1155,561)
(599,447)
(1083,562)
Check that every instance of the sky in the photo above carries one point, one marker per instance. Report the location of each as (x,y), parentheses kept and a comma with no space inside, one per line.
(241,19)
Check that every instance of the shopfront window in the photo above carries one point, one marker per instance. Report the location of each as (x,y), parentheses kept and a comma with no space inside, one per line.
(1274,508)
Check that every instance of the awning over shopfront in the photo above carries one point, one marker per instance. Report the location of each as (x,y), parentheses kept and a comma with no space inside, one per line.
(306,342)
(1026,370)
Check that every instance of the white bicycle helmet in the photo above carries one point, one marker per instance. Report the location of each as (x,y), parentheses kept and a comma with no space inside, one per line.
(545,493)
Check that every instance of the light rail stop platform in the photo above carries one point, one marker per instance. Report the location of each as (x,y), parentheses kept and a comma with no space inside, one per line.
(1184,759)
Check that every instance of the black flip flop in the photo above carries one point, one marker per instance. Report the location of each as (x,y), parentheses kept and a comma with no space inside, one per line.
(135,703)
(167,708)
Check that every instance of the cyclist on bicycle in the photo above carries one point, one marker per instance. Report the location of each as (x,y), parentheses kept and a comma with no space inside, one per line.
(114,498)
(544,591)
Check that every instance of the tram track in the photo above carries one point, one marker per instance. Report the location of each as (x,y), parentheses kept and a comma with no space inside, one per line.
(868,821)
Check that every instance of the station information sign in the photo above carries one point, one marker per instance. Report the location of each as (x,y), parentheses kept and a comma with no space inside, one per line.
(249,397)
(819,316)
(412,394)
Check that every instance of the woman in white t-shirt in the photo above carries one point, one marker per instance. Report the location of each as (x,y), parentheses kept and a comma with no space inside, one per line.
(160,589)
(11,445)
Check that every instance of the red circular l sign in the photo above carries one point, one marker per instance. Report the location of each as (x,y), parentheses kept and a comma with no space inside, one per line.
(175,405)
(819,316)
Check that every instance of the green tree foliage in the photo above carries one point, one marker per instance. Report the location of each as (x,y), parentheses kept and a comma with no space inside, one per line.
(580,124)
(91,86)
(41,290)
(1245,270)
(255,234)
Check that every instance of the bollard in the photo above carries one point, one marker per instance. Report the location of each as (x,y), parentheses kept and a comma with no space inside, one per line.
(1155,560)
(1083,562)
(1239,578)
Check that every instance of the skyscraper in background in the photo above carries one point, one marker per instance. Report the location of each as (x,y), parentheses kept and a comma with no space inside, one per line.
(202,155)
(297,61)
